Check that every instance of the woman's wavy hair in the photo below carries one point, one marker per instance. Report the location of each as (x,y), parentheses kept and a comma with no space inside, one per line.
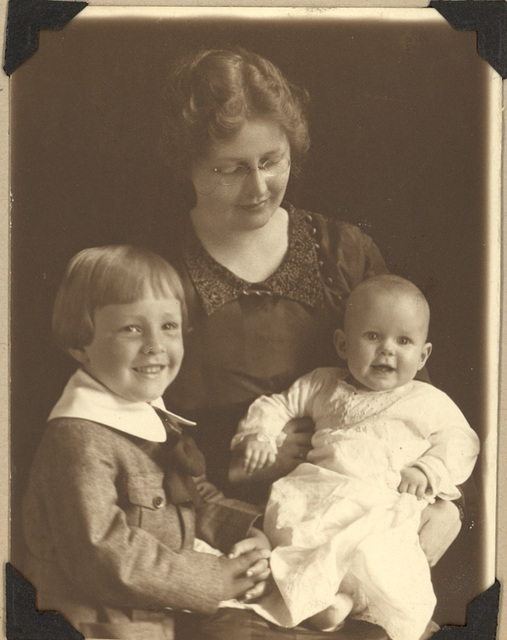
(99,276)
(213,91)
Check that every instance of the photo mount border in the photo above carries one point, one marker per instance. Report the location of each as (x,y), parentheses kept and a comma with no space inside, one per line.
(25,19)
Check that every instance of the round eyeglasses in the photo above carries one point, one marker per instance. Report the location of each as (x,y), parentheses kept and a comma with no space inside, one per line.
(228,176)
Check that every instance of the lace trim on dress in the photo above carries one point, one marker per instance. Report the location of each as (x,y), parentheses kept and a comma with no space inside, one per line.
(297,278)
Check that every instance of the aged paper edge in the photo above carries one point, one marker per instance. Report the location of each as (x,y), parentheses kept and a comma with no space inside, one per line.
(501,229)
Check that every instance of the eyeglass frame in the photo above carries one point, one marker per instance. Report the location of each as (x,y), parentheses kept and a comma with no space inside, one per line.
(248,170)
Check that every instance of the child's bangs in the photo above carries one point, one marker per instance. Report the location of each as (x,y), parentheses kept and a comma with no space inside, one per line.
(127,283)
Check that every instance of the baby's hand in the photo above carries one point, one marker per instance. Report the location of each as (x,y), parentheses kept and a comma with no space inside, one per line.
(413,481)
(257,454)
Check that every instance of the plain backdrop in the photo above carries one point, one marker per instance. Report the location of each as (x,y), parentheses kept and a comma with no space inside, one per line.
(398,124)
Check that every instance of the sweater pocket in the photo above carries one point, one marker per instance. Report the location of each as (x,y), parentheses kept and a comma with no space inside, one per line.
(147,499)
(149,509)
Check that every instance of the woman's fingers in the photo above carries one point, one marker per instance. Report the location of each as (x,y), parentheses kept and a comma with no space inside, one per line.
(297,442)
(297,445)
(440,524)
(299,425)
(301,440)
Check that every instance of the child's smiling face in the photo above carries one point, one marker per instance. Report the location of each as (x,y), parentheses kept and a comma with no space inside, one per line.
(385,340)
(137,348)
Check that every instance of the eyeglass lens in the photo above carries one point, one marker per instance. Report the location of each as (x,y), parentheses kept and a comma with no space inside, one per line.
(269,171)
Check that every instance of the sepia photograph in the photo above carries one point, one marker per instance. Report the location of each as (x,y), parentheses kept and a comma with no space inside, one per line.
(254,323)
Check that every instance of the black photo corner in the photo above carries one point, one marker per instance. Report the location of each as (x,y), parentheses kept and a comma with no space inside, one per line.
(104,123)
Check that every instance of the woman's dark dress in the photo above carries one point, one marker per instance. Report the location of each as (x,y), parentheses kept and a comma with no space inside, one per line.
(250,339)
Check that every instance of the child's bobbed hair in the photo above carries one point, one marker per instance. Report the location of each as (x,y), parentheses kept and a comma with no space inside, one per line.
(99,276)
(212,92)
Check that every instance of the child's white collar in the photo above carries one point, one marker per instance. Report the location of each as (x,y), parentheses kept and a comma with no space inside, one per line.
(85,398)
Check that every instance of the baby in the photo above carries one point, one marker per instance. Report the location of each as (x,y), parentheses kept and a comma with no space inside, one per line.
(116,495)
(345,523)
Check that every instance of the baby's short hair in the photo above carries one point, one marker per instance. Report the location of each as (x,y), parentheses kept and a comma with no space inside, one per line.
(99,276)
(389,283)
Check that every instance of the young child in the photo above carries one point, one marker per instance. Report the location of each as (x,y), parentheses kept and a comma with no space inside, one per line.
(345,523)
(116,495)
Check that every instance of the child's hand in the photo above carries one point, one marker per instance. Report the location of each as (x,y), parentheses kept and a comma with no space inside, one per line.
(413,481)
(260,570)
(246,574)
(257,539)
(257,454)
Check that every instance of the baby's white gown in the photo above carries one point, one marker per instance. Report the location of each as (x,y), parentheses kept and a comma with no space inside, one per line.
(351,533)
(338,522)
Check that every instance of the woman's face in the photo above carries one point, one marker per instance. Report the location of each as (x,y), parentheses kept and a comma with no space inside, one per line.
(249,203)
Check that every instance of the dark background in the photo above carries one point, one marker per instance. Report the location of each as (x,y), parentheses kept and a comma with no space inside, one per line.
(398,122)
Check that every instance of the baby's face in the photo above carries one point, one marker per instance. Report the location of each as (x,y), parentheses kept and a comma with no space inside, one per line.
(385,340)
(137,348)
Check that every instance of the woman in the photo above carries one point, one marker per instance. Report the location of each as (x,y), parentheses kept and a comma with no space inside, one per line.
(265,282)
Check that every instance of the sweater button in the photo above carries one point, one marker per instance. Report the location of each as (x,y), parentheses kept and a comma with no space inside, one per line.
(158,502)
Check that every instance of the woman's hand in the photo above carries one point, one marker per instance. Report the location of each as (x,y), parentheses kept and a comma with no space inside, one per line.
(296,445)
(440,525)
(246,568)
